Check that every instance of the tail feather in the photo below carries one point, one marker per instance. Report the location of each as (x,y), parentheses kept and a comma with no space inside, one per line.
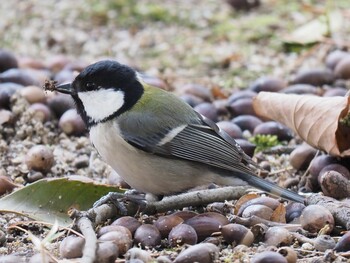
(271,188)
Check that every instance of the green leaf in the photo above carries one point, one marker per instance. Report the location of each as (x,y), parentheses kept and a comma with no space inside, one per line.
(50,199)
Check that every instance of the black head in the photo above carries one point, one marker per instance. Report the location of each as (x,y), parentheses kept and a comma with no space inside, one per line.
(104,90)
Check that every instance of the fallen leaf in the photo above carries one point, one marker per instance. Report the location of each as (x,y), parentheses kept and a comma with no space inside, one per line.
(49,200)
(317,120)
(244,199)
(279,214)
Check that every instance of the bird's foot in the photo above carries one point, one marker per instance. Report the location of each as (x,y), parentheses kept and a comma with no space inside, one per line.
(119,200)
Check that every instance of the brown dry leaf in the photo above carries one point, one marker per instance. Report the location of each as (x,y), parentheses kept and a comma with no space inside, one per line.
(244,199)
(315,119)
(279,214)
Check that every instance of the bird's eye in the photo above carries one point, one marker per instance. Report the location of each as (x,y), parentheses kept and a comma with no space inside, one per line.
(90,86)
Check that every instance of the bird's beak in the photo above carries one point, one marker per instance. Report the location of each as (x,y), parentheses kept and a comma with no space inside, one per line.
(64,88)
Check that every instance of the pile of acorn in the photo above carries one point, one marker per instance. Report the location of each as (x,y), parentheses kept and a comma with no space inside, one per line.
(205,232)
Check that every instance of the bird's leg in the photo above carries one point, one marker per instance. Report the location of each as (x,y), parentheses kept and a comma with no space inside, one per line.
(119,199)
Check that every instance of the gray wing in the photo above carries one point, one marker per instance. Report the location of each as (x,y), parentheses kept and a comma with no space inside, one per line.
(201,141)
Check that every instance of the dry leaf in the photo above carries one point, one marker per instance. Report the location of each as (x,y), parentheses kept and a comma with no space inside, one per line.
(279,214)
(315,119)
(244,199)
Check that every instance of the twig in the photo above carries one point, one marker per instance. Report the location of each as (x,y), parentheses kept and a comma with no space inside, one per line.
(196,198)
(86,228)
(279,150)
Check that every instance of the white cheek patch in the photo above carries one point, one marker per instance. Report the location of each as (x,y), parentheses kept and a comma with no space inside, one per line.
(99,104)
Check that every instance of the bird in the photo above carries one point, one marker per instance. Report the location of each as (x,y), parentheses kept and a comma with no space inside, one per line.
(154,140)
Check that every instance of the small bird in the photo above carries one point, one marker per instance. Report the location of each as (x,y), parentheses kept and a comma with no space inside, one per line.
(153,139)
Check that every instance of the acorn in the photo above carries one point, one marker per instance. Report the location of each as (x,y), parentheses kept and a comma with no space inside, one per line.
(336,91)
(301,89)
(33,94)
(269,257)
(293,211)
(247,146)
(343,243)
(129,222)
(166,223)
(334,184)
(230,128)
(282,132)
(72,247)
(39,158)
(334,57)
(64,76)
(120,236)
(261,211)
(247,122)
(60,103)
(107,252)
(241,94)
(6,184)
(197,90)
(208,110)
(191,100)
(182,234)
(207,223)
(289,254)
(19,76)
(268,83)
(6,117)
(316,165)
(237,234)
(315,77)
(337,168)
(204,253)
(342,69)
(6,91)
(7,60)
(324,242)
(262,200)
(105,229)
(278,236)
(185,214)
(41,112)
(301,156)
(243,5)
(137,253)
(242,106)
(315,217)
(147,236)
(71,123)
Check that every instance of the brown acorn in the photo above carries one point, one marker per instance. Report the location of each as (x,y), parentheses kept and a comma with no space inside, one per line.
(315,217)
(268,257)
(182,234)
(72,247)
(324,242)
(39,158)
(237,234)
(278,236)
(166,223)
(247,122)
(121,237)
(147,236)
(129,222)
(204,253)
(207,223)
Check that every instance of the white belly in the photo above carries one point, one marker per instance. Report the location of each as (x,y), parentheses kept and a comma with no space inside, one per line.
(143,171)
